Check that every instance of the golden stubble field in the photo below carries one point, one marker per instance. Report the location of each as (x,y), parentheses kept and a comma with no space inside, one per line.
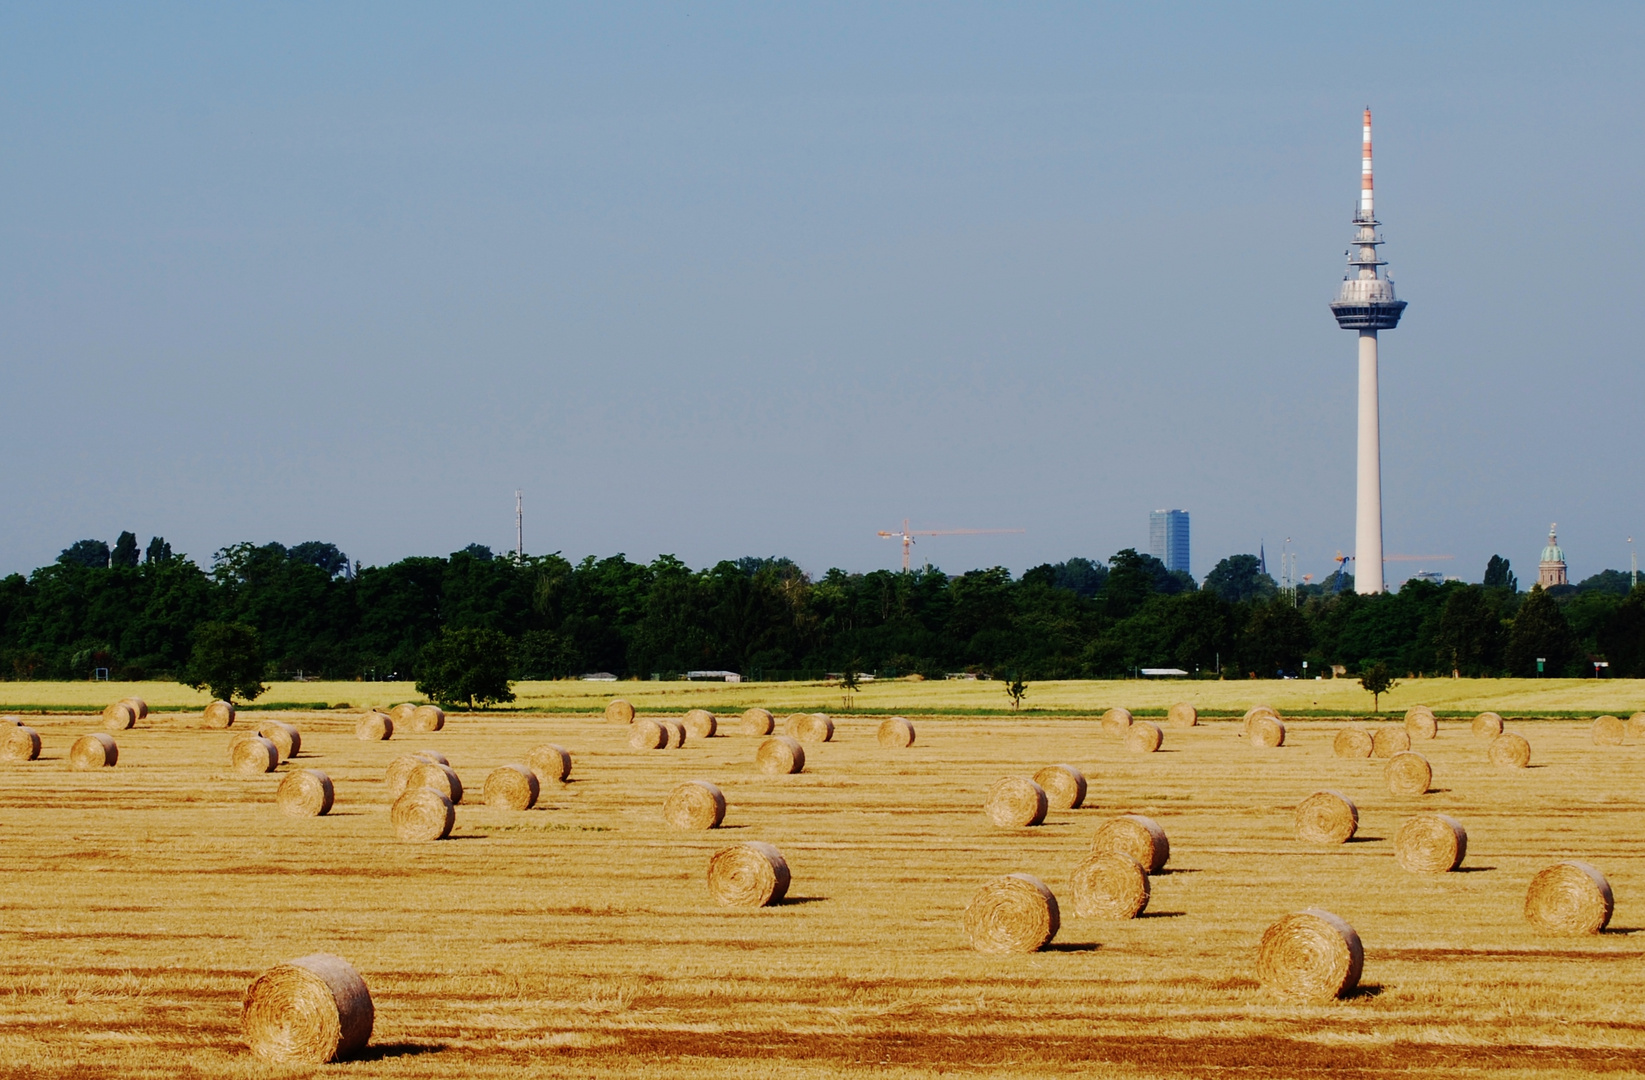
(579,938)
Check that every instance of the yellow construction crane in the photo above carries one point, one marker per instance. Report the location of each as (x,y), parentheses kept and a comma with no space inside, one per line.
(908,535)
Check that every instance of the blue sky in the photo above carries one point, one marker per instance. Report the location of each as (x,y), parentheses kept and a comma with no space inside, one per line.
(736,280)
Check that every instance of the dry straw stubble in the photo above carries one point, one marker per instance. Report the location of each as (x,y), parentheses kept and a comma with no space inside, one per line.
(648,735)
(219,714)
(436,777)
(754,874)
(1609,731)
(695,805)
(1509,751)
(619,712)
(1110,886)
(306,793)
(550,762)
(20,744)
(374,727)
(119,716)
(426,718)
(1115,721)
(422,814)
(1139,837)
(1569,898)
(1487,725)
(511,787)
(1388,741)
(308,1011)
(809,727)
(252,755)
(1327,817)
(700,724)
(1409,773)
(1144,737)
(1352,742)
(758,722)
(895,733)
(285,737)
(1420,723)
(1012,914)
(1182,714)
(780,755)
(1016,802)
(1267,731)
(94,751)
(1431,844)
(1064,786)
(1310,956)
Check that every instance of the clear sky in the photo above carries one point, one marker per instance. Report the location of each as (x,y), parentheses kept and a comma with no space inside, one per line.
(728,280)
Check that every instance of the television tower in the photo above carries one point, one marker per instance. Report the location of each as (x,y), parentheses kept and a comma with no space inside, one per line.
(1366,303)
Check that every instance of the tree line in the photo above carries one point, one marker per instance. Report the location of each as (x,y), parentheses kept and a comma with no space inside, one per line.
(139,613)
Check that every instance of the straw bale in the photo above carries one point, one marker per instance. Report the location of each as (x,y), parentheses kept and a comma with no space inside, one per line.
(400,769)
(1636,725)
(20,744)
(285,737)
(426,718)
(1420,723)
(1569,898)
(1110,886)
(1409,773)
(896,732)
(1609,731)
(219,714)
(119,716)
(1487,725)
(1267,731)
(754,874)
(1064,786)
(11,720)
(1387,741)
(648,735)
(809,727)
(1016,801)
(1255,711)
(138,706)
(1144,737)
(1431,844)
(422,814)
(676,733)
(549,762)
(1182,714)
(1012,914)
(1115,721)
(306,793)
(619,712)
(374,727)
(758,722)
(251,755)
(1310,956)
(700,724)
(401,715)
(93,751)
(1136,836)
(307,1011)
(779,755)
(1510,751)
(1352,741)
(695,804)
(511,787)
(1327,817)
(437,777)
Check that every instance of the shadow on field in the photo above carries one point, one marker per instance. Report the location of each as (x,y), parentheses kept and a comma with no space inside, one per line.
(1167,871)
(1071,946)
(1472,869)
(469,836)
(1363,990)
(1364,839)
(787,900)
(1620,930)
(384,1051)
(1162,914)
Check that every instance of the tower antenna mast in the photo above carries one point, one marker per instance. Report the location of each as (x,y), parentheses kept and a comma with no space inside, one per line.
(519,525)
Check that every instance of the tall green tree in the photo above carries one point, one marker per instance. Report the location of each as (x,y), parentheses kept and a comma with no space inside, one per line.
(469,666)
(227,660)
(1469,635)
(1499,576)
(1239,579)
(1540,630)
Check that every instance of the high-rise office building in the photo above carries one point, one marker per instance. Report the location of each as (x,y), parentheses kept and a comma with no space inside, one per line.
(1168,538)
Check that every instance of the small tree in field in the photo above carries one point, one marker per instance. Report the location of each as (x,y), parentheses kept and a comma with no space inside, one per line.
(1016,690)
(227,660)
(1378,680)
(850,682)
(466,666)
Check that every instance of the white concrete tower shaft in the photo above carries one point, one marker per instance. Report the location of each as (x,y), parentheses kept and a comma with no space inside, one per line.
(1368,508)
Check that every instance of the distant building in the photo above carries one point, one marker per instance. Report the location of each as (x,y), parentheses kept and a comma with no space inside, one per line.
(1550,569)
(1168,538)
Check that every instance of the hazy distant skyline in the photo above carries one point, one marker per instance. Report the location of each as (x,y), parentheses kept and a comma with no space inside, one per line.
(764,281)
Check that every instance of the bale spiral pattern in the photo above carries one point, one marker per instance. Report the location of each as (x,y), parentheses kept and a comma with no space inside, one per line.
(1510,751)
(700,724)
(758,722)
(1487,725)
(311,1010)
(1388,741)
(619,712)
(1013,914)
(422,814)
(779,755)
(1016,802)
(1327,817)
(1144,737)
(1182,714)
(306,793)
(1064,786)
(95,751)
(426,718)
(1310,956)
(809,727)
(1267,731)
(374,727)
(1110,886)
(1352,742)
(219,714)
(20,744)
(1115,721)
(1409,773)
(749,875)
(1609,731)
(511,787)
(119,716)
(1431,844)
(695,805)
(285,737)
(436,777)
(1420,723)
(549,762)
(648,735)
(250,755)
(896,732)
(1569,898)
(1136,836)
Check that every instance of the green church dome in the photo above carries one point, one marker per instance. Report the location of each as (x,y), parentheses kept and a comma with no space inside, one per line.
(1553,552)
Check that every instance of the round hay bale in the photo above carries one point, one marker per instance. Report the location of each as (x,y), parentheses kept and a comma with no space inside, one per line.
(20,744)
(619,712)
(310,1011)
(306,793)
(436,777)
(676,733)
(1144,737)
(434,756)
(1013,914)
(896,732)
(1115,721)
(700,724)
(1267,731)
(1431,844)
(138,706)
(1352,742)
(1310,956)
(779,755)
(549,762)
(1182,714)
(1487,725)
(1409,773)
(1420,723)
(1388,741)
(11,720)
(1016,802)
(758,722)
(511,787)
(648,735)
(422,814)
(95,751)
(1510,751)
(1636,725)
(219,714)
(1064,786)
(1255,711)
(401,715)
(809,727)
(749,875)
(426,718)
(285,737)
(119,716)
(1136,836)
(1569,898)
(695,804)
(1609,731)
(251,755)
(400,769)
(1327,817)
(374,727)
(1110,886)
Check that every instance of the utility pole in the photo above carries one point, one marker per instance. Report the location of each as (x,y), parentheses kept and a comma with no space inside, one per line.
(519,526)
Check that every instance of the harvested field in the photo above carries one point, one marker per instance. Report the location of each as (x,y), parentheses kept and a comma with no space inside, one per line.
(579,937)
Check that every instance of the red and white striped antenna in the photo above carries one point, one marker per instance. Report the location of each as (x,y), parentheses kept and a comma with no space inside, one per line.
(1366,203)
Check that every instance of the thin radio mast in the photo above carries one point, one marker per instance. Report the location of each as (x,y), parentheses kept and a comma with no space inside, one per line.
(519,526)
